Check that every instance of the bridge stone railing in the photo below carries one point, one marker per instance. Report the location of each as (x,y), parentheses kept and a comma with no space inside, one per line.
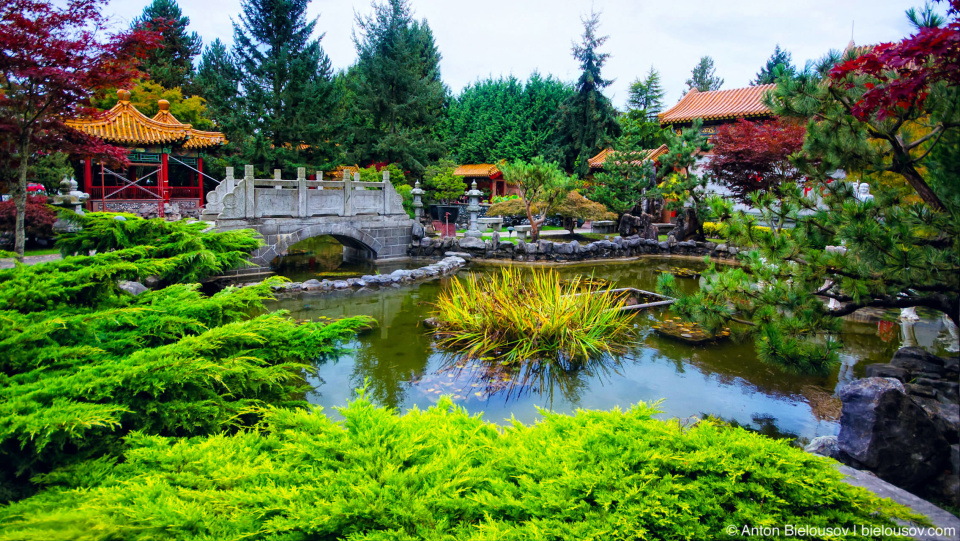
(251,198)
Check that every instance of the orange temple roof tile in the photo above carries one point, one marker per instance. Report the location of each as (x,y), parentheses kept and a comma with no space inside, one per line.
(597,161)
(718,105)
(478,170)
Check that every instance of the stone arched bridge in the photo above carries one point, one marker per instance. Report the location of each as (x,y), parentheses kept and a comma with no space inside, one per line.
(366,217)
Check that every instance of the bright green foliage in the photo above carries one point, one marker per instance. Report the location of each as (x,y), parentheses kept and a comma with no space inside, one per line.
(397,98)
(505,119)
(575,206)
(85,364)
(515,317)
(646,96)
(442,474)
(703,77)
(50,169)
(542,186)
(171,64)
(287,86)
(372,174)
(678,182)
(441,185)
(624,179)
(778,65)
(587,121)
(639,132)
(145,94)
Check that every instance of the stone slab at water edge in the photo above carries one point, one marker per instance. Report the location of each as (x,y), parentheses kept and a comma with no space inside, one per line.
(444,267)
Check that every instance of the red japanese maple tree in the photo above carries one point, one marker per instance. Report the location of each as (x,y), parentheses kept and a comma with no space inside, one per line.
(753,156)
(52,59)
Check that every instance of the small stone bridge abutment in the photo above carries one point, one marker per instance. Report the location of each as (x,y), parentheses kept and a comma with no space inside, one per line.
(366,217)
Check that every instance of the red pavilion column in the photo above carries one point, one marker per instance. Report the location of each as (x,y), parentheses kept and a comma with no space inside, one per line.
(162,185)
(199,180)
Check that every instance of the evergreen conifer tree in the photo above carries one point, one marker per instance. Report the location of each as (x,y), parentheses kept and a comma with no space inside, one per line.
(170,65)
(587,121)
(704,77)
(398,97)
(218,82)
(769,73)
(287,84)
(647,95)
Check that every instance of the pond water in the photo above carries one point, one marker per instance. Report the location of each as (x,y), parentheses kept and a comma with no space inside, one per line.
(404,369)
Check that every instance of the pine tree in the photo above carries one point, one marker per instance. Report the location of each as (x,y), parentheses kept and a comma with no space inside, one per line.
(398,97)
(218,82)
(287,83)
(587,121)
(647,95)
(170,65)
(770,72)
(704,77)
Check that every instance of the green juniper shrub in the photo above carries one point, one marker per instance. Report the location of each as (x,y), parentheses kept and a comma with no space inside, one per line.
(442,474)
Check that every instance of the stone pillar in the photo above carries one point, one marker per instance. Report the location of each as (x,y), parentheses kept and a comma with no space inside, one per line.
(302,192)
(474,209)
(417,201)
(231,182)
(248,193)
(276,176)
(385,192)
(347,188)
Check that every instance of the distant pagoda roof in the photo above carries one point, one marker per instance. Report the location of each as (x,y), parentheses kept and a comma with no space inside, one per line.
(487,170)
(718,105)
(597,161)
(125,125)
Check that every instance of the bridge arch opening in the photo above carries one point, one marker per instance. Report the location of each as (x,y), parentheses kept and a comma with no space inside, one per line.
(324,256)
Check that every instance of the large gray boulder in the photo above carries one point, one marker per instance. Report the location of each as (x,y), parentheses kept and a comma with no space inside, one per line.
(133,288)
(472,243)
(884,431)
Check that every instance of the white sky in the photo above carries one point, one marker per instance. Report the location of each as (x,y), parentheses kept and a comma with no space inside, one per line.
(502,37)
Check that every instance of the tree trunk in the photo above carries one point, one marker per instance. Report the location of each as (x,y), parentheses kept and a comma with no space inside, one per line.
(20,202)
(923,189)
(534,230)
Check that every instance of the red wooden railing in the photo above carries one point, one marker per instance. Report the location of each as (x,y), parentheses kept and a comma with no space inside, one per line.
(143,192)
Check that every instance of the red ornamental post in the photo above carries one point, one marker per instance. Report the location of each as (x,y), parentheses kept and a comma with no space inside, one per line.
(87,174)
(162,185)
(199,181)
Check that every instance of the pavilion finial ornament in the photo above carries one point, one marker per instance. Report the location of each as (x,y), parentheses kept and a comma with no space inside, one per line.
(123,94)
(164,105)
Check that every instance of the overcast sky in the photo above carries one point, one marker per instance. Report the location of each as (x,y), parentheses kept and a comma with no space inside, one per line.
(504,37)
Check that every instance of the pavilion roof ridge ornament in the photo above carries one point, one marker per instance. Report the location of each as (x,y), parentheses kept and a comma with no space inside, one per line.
(718,105)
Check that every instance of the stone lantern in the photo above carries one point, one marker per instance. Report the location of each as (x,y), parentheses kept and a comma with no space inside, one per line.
(417,194)
(68,197)
(474,209)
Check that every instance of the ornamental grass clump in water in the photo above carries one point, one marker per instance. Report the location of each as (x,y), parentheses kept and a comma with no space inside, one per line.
(513,317)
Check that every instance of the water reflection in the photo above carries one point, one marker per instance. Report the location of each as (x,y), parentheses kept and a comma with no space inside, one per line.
(404,369)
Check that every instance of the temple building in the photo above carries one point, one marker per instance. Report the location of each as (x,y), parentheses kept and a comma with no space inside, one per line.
(166,161)
(717,107)
(489,179)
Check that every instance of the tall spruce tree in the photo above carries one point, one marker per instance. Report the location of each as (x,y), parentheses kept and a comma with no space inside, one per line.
(218,82)
(646,95)
(770,72)
(170,65)
(587,121)
(398,97)
(703,77)
(287,85)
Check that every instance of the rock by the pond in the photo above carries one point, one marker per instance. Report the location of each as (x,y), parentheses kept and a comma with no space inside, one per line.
(340,284)
(133,288)
(824,446)
(884,431)
(463,255)
(472,243)
(416,231)
(311,285)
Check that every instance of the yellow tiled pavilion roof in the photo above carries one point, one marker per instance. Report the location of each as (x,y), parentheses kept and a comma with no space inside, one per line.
(198,139)
(478,170)
(718,105)
(597,161)
(125,125)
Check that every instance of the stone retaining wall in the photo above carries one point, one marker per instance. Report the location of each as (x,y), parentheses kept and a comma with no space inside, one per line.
(445,266)
(546,250)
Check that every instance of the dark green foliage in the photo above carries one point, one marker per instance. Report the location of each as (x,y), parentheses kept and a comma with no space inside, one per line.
(396,97)
(769,72)
(170,65)
(441,474)
(646,96)
(218,82)
(287,82)
(624,179)
(505,119)
(679,183)
(587,121)
(638,132)
(703,77)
